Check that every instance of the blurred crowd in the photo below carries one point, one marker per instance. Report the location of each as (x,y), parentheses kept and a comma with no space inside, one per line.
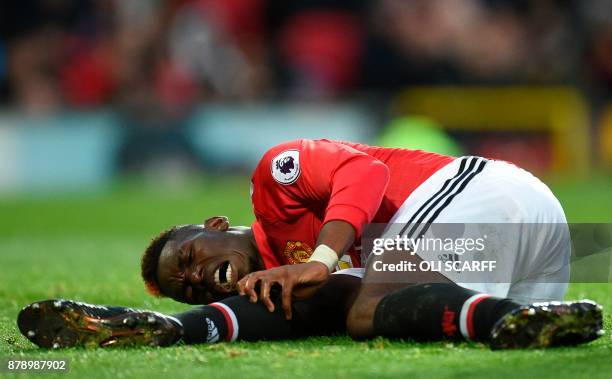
(176,53)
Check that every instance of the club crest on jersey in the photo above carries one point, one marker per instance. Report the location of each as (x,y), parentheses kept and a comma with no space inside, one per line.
(286,167)
(297,252)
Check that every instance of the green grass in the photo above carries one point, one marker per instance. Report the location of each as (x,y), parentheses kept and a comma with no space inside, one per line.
(87,247)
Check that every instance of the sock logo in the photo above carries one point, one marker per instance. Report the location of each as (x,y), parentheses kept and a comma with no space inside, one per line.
(448,322)
(213,334)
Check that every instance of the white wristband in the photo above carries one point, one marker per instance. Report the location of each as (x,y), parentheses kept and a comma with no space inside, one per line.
(325,255)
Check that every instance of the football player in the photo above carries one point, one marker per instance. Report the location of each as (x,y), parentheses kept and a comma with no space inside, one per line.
(311,200)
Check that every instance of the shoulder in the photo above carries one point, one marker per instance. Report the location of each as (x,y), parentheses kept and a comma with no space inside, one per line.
(281,162)
(284,162)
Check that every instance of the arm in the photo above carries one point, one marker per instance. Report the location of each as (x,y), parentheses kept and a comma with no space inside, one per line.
(352,184)
(339,235)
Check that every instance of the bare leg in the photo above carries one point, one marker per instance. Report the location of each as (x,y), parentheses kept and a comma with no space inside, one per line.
(378,284)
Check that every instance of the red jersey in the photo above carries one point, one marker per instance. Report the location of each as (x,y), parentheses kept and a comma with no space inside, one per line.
(300,185)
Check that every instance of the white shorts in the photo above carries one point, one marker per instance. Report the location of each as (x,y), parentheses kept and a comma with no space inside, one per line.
(531,251)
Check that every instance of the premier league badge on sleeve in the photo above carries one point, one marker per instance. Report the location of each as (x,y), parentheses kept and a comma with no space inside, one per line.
(286,167)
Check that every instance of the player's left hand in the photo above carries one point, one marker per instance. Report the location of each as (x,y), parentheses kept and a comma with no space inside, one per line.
(289,278)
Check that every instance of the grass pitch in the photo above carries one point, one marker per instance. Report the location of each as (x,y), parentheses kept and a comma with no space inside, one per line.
(87,247)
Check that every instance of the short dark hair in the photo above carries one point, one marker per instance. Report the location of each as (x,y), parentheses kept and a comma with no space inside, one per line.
(150,261)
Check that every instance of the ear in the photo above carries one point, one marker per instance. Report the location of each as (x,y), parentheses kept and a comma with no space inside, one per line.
(220,223)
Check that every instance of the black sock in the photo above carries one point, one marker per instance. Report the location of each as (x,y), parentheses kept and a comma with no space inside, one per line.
(203,324)
(234,318)
(325,313)
(437,311)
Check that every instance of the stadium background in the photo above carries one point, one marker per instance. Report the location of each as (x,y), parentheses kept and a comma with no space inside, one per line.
(121,118)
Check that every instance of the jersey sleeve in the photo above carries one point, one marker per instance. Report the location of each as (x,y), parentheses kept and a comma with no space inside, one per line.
(350,182)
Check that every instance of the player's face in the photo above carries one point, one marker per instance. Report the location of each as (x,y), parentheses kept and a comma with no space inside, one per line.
(199,266)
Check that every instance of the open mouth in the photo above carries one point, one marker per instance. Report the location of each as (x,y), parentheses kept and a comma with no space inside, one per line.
(223,276)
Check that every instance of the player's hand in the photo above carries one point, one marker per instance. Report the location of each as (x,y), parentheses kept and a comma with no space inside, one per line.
(290,277)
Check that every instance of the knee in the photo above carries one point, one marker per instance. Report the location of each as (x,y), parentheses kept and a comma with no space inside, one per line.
(359,322)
